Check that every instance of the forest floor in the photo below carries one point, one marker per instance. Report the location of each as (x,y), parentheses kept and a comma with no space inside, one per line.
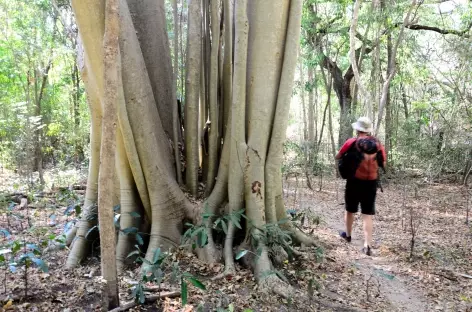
(336,277)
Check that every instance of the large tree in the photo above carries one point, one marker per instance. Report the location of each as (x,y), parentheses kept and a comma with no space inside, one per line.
(255,94)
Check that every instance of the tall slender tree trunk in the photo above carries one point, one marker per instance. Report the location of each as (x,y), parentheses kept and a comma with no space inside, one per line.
(107,155)
(404,101)
(192,87)
(213,90)
(228,60)
(175,108)
(388,104)
(37,131)
(79,153)
(39,95)
(238,130)
(329,85)
(311,112)
(315,108)
(302,95)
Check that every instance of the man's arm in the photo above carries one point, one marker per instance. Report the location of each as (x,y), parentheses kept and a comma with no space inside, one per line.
(345,147)
(384,155)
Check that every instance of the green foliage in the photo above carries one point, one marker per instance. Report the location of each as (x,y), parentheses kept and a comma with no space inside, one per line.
(19,254)
(273,236)
(155,272)
(37,49)
(198,234)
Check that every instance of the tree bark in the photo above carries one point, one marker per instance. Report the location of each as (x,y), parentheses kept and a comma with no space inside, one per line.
(77,236)
(228,61)
(38,155)
(302,95)
(329,86)
(192,87)
(342,88)
(175,108)
(404,101)
(79,153)
(388,104)
(213,90)
(39,94)
(106,177)
(311,113)
(149,19)
(237,143)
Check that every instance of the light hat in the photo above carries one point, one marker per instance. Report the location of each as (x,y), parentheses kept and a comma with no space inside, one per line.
(363,124)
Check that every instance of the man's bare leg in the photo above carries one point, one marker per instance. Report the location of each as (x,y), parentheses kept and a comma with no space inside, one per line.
(349,220)
(368,225)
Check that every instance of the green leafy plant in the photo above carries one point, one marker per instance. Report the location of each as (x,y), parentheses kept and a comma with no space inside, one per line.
(17,254)
(154,272)
(198,234)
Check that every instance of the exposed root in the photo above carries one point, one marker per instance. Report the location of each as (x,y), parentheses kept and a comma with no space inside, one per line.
(272,283)
(149,299)
(226,273)
(278,255)
(209,253)
(296,253)
(71,234)
(80,243)
(213,254)
(301,238)
(230,268)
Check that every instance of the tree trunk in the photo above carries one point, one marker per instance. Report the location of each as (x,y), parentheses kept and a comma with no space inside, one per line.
(302,95)
(265,51)
(175,108)
(149,18)
(213,90)
(39,94)
(342,88)
(329,86)
(346,118)
(79,152)
(311,113)
(38,155)
(388,104)
(228,61)
(192,88)
(106,177)
(238,138)
(328,103)
(145,142)
(404,101)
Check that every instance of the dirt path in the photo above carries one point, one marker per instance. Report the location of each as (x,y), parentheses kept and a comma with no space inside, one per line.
(380,274)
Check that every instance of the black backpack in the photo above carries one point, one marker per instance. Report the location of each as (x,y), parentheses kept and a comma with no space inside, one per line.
(351,159)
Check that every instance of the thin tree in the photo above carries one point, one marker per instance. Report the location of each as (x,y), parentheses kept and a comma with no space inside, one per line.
(107,155)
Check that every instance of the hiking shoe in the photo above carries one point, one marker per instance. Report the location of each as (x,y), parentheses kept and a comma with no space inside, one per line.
(367,251)
(346,238)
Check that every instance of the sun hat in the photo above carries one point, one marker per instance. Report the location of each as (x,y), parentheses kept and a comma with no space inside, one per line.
(363,124)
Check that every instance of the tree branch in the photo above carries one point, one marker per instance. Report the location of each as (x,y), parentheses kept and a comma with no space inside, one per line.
(354,57)
(386,85)
(460,33)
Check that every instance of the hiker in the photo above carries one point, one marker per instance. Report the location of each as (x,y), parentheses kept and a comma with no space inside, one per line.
(361,157)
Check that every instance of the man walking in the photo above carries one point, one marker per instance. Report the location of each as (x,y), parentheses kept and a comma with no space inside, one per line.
(361,188)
